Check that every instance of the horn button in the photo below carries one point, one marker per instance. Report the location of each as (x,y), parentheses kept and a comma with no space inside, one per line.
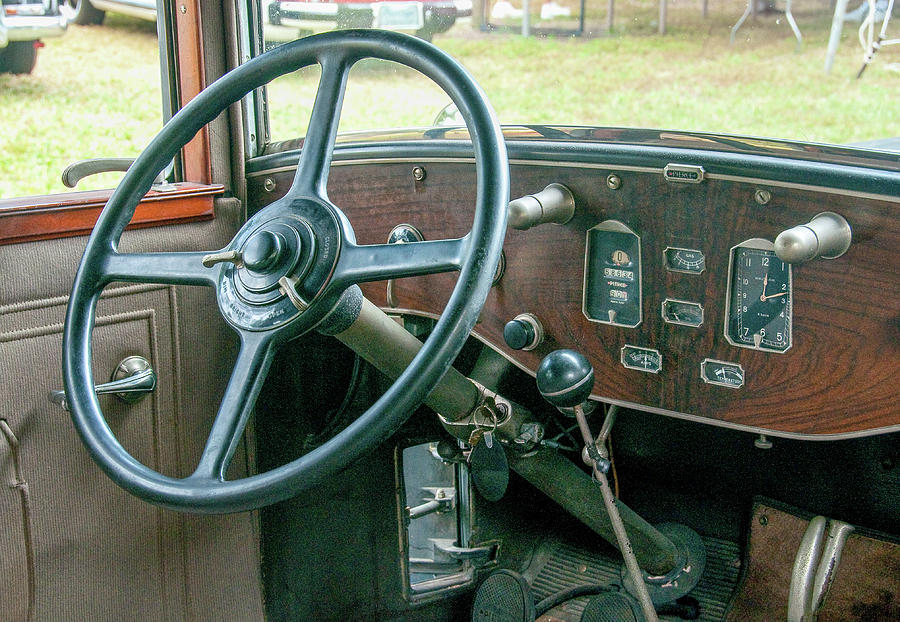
(275,250)
(278,242)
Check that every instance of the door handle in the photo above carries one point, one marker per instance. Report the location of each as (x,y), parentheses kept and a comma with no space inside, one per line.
(131,381)
(77,171)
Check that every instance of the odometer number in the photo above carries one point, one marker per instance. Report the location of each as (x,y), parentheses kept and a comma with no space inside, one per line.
(758,314)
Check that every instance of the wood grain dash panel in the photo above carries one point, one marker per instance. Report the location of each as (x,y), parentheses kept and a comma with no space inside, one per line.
(837,379)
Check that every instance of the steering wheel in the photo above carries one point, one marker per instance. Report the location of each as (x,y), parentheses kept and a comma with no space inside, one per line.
(291,268)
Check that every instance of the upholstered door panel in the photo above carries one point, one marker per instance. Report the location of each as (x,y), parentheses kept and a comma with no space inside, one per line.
(74,545)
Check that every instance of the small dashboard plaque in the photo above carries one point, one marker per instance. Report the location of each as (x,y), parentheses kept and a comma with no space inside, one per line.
(684,173)
(722,373)
(642,359)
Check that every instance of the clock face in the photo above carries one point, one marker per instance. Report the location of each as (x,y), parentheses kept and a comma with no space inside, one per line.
(759,298)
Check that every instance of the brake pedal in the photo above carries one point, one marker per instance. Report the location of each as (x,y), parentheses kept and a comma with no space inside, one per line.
(504,596)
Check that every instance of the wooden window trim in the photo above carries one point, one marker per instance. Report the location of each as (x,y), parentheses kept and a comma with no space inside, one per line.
(74,213)
(24,219)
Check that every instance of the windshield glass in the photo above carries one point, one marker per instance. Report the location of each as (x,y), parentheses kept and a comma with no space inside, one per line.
(678,66)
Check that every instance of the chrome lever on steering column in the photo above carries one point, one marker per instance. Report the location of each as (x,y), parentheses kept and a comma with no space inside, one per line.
(132,380)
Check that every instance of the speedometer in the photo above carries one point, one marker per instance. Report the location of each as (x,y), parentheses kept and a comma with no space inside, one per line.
(758,313)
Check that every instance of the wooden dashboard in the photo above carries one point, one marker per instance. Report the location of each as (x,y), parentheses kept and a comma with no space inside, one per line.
(837,378)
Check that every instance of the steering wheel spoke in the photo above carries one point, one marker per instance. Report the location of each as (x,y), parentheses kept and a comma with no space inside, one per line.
(240,396)
(315,157)
(379,262)
(164,268)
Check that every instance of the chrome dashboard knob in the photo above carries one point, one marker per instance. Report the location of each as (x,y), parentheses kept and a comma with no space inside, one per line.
(827,235)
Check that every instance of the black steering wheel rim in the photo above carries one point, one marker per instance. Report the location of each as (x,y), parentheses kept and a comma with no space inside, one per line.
(476,269)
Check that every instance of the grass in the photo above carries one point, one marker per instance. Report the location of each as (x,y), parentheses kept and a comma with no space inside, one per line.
(94,93)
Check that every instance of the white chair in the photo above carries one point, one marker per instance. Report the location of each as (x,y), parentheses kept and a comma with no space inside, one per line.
(867,39)
(787,14)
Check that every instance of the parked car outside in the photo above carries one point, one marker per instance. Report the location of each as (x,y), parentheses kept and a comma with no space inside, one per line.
(23,23)
(425,19)
(86,12)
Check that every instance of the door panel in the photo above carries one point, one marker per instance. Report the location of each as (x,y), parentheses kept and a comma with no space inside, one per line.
(98,552)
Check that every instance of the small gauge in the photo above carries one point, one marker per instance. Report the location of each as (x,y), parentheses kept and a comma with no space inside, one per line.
(682,312)
(687,260)
(758,310)
(722,373)
(641,359)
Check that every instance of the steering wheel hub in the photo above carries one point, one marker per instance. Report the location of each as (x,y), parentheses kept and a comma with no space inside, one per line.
(270,252)
(299,240)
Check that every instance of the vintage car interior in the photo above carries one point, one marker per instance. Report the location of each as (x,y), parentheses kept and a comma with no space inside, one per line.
(462,372)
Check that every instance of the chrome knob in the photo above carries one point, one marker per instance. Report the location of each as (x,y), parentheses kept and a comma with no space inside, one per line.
(554,203)
(827,235)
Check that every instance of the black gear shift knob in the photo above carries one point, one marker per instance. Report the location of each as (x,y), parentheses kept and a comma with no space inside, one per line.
(565,378)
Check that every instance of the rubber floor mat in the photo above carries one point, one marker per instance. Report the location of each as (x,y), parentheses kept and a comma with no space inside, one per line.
(559,565)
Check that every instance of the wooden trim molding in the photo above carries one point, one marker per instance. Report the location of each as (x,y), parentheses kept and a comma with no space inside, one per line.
(191,81)
(74,213)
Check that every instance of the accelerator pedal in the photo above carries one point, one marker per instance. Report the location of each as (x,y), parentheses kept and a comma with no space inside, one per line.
(504,596)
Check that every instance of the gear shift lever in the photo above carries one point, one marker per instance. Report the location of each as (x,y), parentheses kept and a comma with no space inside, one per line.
(565,378)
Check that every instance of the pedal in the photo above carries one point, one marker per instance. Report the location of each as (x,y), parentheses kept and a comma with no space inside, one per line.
(612,607)
(504,596)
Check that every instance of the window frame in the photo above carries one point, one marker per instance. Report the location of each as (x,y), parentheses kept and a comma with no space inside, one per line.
(191,198)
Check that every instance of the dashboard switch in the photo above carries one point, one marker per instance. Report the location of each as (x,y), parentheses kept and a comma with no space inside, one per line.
(554,203)
(523,332)
(827,235)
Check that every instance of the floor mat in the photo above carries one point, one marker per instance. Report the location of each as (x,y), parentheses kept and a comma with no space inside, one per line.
(866,586)
(559,565)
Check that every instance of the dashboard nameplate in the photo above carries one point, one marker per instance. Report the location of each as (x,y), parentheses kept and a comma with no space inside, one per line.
(684,173)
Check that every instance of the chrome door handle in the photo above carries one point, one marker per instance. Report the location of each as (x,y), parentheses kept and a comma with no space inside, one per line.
(133,378)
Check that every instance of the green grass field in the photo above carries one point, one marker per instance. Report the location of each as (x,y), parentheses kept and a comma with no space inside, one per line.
(95,93)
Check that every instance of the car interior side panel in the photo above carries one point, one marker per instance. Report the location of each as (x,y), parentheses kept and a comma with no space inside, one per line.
(462,369)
